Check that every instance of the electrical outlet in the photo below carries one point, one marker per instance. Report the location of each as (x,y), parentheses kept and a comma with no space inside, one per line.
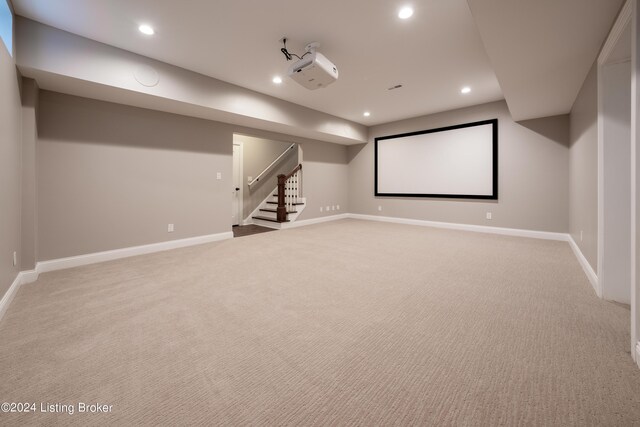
(219,175)
(321,208)
(328,208)
(170,228)
(333,208)
(379,208)
(338,207)
(15,258)
(488,215)
(581,235)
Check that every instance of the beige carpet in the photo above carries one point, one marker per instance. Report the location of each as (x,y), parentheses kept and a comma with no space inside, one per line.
(343,323)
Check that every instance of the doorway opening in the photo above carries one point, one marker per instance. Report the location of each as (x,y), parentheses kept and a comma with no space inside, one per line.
(257,163)
(615,256)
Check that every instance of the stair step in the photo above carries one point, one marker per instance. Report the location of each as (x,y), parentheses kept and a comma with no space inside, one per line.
(276,211)
(294,204)
(264,218)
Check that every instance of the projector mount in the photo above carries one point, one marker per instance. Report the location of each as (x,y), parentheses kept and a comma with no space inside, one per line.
(309,49)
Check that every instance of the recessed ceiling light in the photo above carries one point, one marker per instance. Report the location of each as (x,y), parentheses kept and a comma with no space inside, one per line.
(277,80)
(405,12)
(366,114)
(146,29)
(465,89)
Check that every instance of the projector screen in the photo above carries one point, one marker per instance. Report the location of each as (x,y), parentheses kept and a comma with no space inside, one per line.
(458,161)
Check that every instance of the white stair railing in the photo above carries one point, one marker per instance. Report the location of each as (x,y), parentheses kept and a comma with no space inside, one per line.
(289,192)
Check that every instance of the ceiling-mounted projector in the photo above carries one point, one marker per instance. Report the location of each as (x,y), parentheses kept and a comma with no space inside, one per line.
(313,70)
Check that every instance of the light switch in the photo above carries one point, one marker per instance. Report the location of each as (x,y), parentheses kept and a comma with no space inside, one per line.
(219,175)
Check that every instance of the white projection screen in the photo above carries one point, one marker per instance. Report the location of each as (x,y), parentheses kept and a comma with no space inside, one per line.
(458,161)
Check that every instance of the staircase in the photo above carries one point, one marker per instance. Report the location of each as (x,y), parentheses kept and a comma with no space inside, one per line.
(284,204)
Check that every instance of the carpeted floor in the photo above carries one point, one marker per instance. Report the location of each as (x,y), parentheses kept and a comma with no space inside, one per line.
(343,323)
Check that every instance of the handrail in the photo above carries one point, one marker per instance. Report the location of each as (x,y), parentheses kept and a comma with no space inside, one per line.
(257,178)
(293,171)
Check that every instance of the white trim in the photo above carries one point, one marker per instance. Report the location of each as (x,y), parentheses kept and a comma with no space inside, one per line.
(76,261)
(588,270)
(304,222)
(241,184)
(622,20)
(600,173)
(29,276)
(635,283)
(467,227)
(624,17)
(10,294)
(637,354)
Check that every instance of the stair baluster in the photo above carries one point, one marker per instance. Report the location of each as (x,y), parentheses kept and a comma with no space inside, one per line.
(288,193)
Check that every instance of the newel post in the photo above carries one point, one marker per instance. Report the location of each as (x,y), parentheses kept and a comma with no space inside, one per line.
(281,215)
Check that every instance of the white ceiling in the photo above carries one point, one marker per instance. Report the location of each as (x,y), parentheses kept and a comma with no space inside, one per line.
(534,53)
(433,54)
(542,50)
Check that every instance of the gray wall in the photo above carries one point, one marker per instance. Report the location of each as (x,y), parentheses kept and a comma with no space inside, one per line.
(325,178)
(583,169)
(257,154)
(532,174)
(10,169)
(112,176)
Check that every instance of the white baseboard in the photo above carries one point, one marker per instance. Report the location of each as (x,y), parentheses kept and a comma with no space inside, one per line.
(638,354)
(304,222)
(467,227)
(10,294)
(29,276)
(588,270)
(76,261)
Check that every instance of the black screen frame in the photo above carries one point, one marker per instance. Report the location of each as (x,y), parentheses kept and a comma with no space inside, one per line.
(494,145)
